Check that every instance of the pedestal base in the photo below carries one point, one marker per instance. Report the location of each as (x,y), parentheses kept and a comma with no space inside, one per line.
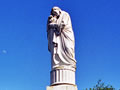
(62,87)
(62,76)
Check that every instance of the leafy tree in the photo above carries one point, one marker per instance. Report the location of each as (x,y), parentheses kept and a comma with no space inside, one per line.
(101,86)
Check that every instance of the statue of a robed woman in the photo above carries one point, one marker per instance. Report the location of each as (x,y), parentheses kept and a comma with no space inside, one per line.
(61,39)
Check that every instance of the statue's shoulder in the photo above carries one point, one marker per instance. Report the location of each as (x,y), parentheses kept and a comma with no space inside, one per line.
(66,14)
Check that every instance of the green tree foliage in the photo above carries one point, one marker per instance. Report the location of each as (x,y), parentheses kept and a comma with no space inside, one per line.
(101,86)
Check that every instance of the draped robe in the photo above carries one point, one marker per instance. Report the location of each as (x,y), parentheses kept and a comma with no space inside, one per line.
(61,42)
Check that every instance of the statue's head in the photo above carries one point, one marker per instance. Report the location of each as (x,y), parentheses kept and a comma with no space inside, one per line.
(56,11)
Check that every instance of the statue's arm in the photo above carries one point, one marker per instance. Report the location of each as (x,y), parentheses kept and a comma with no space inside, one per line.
(48,22)
(48,32)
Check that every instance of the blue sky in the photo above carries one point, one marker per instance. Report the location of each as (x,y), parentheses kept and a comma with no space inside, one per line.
(24,56)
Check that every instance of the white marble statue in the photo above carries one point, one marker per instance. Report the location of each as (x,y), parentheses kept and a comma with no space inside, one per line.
(61,39)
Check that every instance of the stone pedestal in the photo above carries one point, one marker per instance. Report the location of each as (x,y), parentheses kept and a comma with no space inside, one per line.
(62,76)
(62,87)
(62,79)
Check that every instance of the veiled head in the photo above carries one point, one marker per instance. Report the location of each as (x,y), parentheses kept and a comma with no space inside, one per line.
(56,11)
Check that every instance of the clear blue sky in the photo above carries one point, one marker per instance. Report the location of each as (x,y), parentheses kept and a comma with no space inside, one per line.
(24,56)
